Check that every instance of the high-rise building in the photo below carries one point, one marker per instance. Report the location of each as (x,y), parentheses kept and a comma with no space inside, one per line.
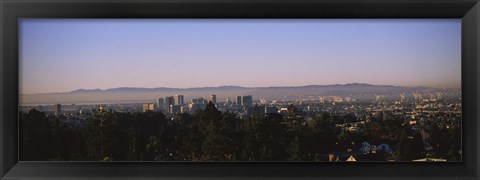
(197,103)
(263,101)
(179,101)
(228,100)
(169,102)
(239,100)
(417,96)
(402,97)
(439,95)
(161,104)
(199,100)
(148,107)
(57,108)
(174,109)
(247,101)
(213,98)
(322,99)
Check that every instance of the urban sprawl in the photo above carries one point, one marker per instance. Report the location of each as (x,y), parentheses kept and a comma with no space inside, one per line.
(413,127)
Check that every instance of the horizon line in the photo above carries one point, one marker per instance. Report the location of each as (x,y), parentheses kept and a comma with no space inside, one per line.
(355,83)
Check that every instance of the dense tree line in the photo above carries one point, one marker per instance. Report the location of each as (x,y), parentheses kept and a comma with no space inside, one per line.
(210,135)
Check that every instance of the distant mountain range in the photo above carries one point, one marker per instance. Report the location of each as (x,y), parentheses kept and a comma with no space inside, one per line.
(360,91)
(158,89)
(335,88)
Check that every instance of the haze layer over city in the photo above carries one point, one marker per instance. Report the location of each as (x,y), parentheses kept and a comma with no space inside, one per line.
(344,90)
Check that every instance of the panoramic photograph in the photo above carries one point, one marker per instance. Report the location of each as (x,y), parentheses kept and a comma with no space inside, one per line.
(256,90)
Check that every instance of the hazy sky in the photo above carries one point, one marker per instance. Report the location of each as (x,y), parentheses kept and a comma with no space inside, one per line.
(64,55)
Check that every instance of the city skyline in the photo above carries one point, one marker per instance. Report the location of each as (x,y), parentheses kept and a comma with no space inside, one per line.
(66,55)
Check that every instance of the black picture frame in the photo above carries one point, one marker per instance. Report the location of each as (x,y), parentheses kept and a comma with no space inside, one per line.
(11,11)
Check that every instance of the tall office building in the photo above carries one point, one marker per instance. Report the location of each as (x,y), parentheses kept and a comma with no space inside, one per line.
(417,96)
(263,101)
(161,104)
(228,100)
(197,103)
(239,100)
(213,98)
(169,102)
(199,100)
(175,109)
(179,101)
(148,107)
(247,101)
(402,97)
(57,108)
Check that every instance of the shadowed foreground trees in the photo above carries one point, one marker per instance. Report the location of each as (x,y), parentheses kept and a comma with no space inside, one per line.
(207,135)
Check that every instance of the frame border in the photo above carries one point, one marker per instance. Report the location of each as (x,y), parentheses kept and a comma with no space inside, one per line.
(11,11)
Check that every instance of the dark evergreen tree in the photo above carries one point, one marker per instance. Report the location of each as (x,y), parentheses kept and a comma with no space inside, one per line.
(217,144)
(296,129)
(320,138)
(189,138)
(410,147)
(36,137)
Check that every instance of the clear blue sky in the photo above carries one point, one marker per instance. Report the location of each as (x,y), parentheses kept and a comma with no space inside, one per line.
(64,55)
